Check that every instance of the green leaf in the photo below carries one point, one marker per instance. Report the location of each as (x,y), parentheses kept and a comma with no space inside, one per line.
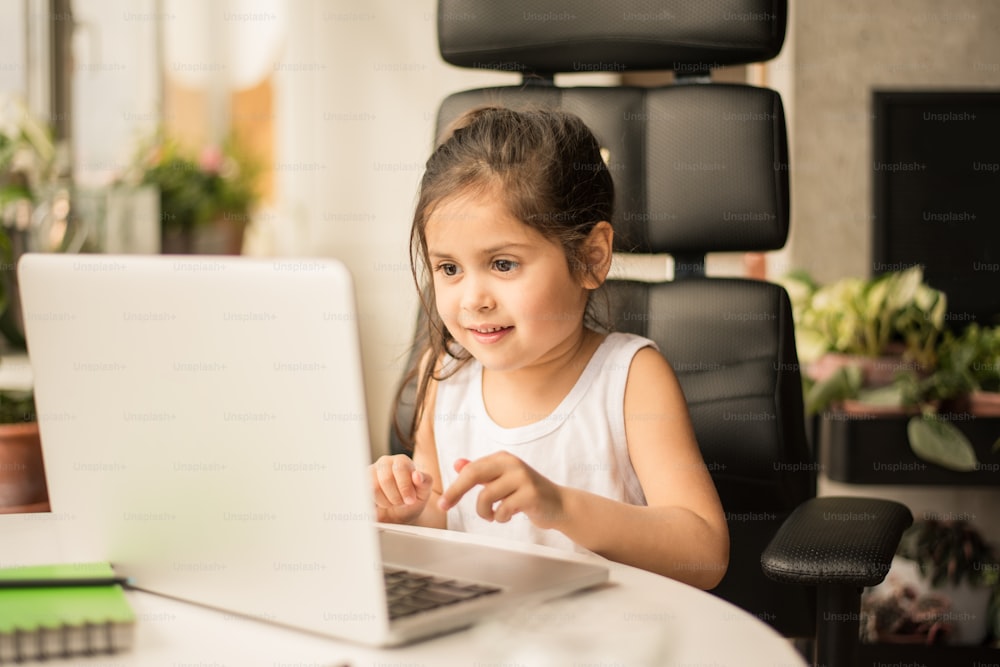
(875,299)
(938,441)
(890,395)
(842,383)
(811,345)
(904,287)
(938,312)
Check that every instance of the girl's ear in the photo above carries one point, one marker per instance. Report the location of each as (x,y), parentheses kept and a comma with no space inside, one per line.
(596,254)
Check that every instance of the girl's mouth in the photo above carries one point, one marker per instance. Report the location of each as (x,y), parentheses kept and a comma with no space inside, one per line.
(489,334)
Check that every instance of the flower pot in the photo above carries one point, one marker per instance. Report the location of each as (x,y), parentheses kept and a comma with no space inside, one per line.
(222,236)
(962,615)
(22,474)
(875,371)
(969,613)
(176,241)
(984,403)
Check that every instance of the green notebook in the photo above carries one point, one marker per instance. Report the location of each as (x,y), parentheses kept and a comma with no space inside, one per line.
(52,621)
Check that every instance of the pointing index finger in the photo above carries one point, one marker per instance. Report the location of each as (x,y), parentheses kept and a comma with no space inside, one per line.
(469,475)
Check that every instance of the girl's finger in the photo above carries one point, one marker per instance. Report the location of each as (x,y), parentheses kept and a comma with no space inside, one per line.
(509,506)
(402,473)
(500,490)
(386,478)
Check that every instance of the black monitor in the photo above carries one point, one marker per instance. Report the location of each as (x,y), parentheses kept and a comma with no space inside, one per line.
(936,190)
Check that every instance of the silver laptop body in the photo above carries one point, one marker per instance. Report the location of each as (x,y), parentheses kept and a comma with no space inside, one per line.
(204,428)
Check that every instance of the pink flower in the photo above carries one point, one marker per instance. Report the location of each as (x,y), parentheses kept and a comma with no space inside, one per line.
(211,159)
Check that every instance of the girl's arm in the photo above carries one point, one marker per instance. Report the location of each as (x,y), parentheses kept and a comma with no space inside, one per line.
(426,460)
(681,532)
(407,490)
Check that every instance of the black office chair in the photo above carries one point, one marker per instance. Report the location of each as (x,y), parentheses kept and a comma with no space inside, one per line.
(702,167)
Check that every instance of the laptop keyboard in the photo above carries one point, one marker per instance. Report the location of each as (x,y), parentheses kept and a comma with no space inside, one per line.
(411,592)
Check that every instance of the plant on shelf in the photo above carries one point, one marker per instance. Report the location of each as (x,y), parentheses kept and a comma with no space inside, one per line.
(28,180)
(970,367)
(22,476)
(857,335)
(198,188)
(950,552)
(27,162)
(27,170)
(905,616)
(880,347)
(38,208)
(955,560)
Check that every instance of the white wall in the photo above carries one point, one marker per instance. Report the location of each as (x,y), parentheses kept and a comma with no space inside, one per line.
(357,93)
(116,96)
(13,56)
(842,51)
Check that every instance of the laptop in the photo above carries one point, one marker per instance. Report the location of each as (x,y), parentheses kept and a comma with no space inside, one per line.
(204,429)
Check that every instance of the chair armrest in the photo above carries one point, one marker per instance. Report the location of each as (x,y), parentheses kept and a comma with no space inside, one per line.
(837,540)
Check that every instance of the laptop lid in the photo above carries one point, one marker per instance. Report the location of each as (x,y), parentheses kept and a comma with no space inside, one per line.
(204,428)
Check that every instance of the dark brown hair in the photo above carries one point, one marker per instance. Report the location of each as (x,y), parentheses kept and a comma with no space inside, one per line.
(547,168)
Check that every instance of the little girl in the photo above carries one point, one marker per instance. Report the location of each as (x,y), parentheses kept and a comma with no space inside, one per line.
(531,423)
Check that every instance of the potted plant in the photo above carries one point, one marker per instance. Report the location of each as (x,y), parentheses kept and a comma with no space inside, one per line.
(971,362)
(856,337)
(206,196)
(872,348)
(904,615)
(959,565)
(27,175)
(881,326)
(22,472)
(27,172)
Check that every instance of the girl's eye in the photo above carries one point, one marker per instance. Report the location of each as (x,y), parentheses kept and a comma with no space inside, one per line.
(504,265)
(448,269)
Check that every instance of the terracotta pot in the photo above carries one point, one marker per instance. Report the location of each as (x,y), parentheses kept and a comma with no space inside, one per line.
(875,371)
(984,403)
(22,474)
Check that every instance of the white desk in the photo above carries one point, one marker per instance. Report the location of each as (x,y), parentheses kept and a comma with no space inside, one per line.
(638,618)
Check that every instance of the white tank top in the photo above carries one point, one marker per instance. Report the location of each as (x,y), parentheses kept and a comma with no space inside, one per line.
(580,444)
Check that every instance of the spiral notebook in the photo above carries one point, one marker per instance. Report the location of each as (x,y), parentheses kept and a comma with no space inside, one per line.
(61,611)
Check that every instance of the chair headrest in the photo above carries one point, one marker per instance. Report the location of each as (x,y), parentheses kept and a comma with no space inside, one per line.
(570,36)
(697,168)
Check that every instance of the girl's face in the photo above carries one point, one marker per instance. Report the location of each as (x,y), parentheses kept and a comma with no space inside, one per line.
(504,290)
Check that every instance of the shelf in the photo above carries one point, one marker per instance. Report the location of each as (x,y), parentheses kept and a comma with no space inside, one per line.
(884,655)
(860,449)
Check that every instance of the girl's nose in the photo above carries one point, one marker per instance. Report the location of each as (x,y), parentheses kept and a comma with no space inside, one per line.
(476,297)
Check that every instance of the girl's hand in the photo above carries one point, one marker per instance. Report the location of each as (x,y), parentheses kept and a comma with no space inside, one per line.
(401,491)
(509,486)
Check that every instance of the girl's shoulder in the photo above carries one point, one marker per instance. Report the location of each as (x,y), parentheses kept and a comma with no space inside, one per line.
(619,355)
(627,344)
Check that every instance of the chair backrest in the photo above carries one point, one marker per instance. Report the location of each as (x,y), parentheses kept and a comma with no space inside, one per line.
(699,167)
